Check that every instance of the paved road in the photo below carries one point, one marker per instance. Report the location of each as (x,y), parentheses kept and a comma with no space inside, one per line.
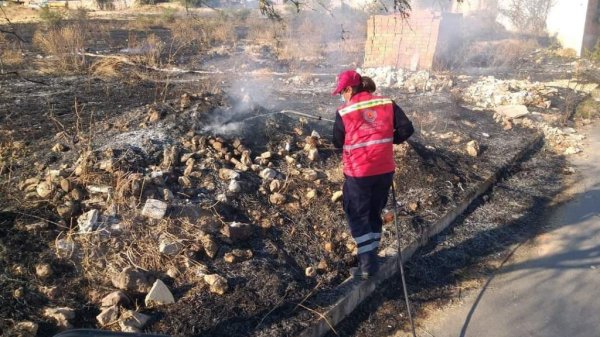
(551,287)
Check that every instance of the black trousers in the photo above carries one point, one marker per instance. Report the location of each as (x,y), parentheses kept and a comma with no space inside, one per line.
(364,199)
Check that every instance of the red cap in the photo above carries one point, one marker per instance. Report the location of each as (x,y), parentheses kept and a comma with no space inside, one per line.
(348,78)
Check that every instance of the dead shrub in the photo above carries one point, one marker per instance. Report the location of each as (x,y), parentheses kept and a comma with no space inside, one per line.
(66,46)
(220,31)
(264,32)
(10,53)
(108,67)
(11,57)
(528,15)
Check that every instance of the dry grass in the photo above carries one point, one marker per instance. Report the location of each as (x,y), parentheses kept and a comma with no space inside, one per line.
(499,53)
(10,53)
(108,67)
(65,45)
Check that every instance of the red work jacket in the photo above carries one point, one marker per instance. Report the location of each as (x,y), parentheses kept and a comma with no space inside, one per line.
(368,143)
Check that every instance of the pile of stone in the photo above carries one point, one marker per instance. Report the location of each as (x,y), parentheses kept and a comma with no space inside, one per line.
(104,192)
(490,92)
(419,81)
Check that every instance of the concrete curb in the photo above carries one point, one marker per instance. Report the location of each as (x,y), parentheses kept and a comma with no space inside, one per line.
(355,292)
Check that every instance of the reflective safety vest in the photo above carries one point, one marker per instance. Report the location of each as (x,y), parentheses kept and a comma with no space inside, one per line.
(369,134)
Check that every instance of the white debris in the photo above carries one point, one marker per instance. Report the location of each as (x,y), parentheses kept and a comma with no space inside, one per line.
(572,150)
(268,174)
(234,186)
(132,321)
(87,221)
(217,283)
(44,189)
(108,315)
(337,195)
(473,148)
(159,294)
(512,111)
(62,315)
(155,209)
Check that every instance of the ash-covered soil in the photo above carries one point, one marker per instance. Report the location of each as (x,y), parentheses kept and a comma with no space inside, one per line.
(252,242)
(138,155)
(462,256)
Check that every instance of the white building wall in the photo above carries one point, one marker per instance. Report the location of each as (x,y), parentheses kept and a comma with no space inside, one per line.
(567,21)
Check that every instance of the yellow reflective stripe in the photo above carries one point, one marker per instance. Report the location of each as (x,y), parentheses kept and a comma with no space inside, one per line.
(364,105)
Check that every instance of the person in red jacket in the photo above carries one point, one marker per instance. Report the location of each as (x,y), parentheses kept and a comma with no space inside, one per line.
(366,127)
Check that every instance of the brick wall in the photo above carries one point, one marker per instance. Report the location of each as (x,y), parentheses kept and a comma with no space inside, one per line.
(412,43)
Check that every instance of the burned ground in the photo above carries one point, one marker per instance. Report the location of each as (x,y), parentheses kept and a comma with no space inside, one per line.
(461,257)
(89,141)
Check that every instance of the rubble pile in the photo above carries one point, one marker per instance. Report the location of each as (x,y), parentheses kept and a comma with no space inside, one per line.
(491,92)
(184,209)
(513,101)
(419,81)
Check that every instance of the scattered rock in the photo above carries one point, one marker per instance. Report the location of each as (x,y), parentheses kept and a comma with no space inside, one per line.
(132,321)
(313,154)
(62,315)
(76,194)
(154,115)
(210,245)
(228,174)
(322,266)
(337,195)
(238,255)
(277,198)
(234,186)
(66,185)
(44,189)
(87,221)
(58,147)
(24,329)
(98,189)
(512,111)
(275,185)
(43,270)
(115,298)
(131,279)
(237,231)
(310,272)
(108,315)
(310,175)
(217,283)
(266,155)
(155,209)
(170,247)
(473,148)
(311,194)
(572,150)
(66,210)
(159,294)
(268,174)
(412,206)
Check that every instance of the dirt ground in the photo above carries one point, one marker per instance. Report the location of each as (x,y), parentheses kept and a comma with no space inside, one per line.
(461,257)
(147,114)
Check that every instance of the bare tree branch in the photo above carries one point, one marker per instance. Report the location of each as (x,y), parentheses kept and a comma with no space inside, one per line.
(13,31)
